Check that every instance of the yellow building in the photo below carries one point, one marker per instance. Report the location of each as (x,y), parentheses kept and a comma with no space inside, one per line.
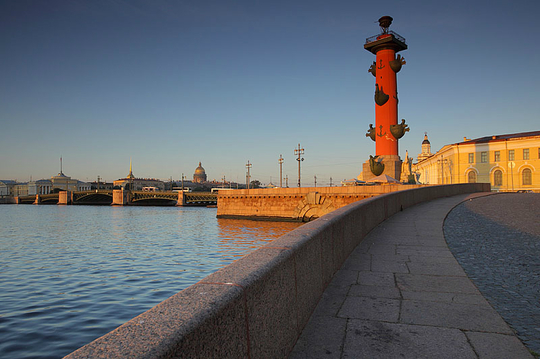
(509,162)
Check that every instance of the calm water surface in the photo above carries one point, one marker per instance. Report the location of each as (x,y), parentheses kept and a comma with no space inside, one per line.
(69,274)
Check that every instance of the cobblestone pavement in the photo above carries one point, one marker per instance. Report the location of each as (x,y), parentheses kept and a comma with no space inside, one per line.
(402,294)
(496,240)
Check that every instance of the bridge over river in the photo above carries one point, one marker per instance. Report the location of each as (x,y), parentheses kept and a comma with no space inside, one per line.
(122,197)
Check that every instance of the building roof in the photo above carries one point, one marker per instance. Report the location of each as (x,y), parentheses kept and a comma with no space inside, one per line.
(43,181)
(496,138)
(60,175)
(8,181)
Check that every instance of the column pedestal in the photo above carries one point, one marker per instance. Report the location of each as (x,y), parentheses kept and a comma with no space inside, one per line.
(392,168)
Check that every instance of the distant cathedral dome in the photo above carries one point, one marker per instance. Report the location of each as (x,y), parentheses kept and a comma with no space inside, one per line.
(200,174)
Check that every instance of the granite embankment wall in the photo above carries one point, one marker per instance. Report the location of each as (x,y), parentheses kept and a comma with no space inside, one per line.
(298,204)
(257,306)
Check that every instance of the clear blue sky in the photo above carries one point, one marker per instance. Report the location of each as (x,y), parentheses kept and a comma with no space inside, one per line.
(172,83)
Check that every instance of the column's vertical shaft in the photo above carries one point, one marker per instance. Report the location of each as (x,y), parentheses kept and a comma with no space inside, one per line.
(386,114)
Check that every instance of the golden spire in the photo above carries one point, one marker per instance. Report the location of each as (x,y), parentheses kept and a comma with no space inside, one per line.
(130,175)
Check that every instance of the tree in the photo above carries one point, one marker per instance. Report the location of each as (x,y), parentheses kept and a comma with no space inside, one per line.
(255,184)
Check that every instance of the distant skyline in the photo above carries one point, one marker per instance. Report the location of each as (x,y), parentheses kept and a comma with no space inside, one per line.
(170,83)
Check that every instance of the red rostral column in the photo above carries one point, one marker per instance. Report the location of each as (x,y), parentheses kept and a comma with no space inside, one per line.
(385,46)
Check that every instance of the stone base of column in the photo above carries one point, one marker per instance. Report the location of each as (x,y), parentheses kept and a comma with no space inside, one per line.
(392,168)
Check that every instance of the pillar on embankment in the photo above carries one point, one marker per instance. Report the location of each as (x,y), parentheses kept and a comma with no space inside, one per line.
(65,197)
(120,197)
(38,199)
(181,199)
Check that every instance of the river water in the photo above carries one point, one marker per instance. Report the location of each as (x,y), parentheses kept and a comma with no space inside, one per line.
(70,274)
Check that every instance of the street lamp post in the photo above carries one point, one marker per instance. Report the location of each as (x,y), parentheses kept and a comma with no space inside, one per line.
(280,170)
(442,161)
(299,152)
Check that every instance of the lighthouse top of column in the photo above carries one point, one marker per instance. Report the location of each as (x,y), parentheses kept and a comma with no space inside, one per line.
(386,39)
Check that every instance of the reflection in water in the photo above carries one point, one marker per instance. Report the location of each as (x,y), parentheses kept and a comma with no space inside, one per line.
(240,233)
(69,274)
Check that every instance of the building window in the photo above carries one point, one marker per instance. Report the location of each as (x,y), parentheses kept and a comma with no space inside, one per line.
(525,153)
(497,156)
(483,157)
(471,177)
(497,178)
(527,177)
(510,155)
(471,157)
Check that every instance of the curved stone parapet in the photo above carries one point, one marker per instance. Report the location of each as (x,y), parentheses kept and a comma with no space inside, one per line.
(257,306)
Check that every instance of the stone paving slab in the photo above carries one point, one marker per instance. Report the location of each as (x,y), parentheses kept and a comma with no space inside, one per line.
(331,301)
(437,269)
(453,315)
(376,278)
(382,309)
(432,283)
(374,291)
(389,266)
(477,299)
(424,251)
(361,262)
(323,344)
(497,346)
(372,339)
(402,294)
